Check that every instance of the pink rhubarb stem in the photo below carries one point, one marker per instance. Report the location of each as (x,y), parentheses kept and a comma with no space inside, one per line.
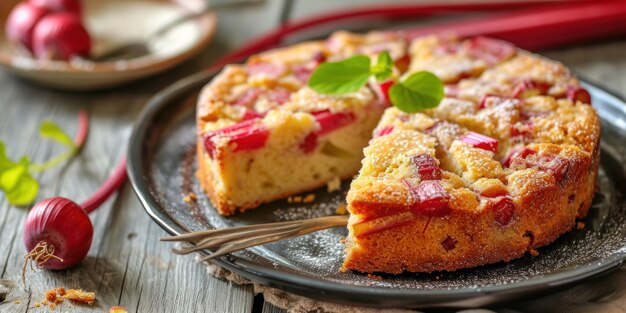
(83,129)
(543,27)
(274,38)
(110,186)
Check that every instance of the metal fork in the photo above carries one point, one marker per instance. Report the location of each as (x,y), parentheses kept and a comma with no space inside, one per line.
(231,239)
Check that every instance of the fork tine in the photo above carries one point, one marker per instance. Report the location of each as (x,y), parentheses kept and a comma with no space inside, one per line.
(249,242)
(237,238)
(246,233)
(211,242)
(309,226)
(192,236)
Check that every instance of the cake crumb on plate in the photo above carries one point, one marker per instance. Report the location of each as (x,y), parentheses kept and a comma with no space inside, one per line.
(309,198)
(374,277)
(334,184)
(341,210)
(190,197)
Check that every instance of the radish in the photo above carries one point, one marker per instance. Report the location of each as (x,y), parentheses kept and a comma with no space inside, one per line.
(61,36)
(22,21)
(72,6)
(58,231)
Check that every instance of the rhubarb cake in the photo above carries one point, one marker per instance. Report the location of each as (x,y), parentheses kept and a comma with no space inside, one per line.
(264,135)
(505,164)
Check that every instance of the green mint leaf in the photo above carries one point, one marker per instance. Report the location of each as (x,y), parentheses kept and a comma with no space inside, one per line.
(18,184)
(51,130)
(342,77)
(422,90)
(383,68)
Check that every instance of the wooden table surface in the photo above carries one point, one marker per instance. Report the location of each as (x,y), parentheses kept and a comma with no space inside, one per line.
(127,265)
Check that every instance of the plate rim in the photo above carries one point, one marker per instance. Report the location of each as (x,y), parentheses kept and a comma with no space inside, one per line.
(320,288)
(64,75)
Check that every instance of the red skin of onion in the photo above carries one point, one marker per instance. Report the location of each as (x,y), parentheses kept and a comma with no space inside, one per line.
(22,21)
(72,6)
(61,36)
(64,225)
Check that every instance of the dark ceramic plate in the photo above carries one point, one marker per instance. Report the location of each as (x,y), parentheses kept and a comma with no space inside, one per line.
(162,165)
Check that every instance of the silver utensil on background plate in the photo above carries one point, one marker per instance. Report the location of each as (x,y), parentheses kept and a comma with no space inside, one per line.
(141,47)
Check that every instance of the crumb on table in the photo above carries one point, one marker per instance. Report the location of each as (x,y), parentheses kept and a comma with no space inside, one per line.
(51,295)
(118,309)
(80,296)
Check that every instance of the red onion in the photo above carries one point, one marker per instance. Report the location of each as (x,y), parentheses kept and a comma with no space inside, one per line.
(22,21)
(72,6)
(61,35)
(58,231)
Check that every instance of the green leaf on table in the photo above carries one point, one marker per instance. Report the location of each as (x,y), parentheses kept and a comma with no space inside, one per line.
(25,189)
(10,176)
(383,67)
(4,160)
(16,181)
(422,90)
(51,130)
(342,77)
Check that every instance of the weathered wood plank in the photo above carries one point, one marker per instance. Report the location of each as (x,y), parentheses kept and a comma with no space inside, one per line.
(269,308)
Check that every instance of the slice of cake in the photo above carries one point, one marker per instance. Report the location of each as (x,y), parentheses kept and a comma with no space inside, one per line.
(490,174)
(263,135)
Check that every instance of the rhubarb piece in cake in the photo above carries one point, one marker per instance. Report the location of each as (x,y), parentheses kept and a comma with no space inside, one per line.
(453,59)
(526,75)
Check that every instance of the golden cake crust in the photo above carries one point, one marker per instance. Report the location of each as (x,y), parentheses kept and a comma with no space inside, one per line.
(546,165)
(489,199)
(543,212)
